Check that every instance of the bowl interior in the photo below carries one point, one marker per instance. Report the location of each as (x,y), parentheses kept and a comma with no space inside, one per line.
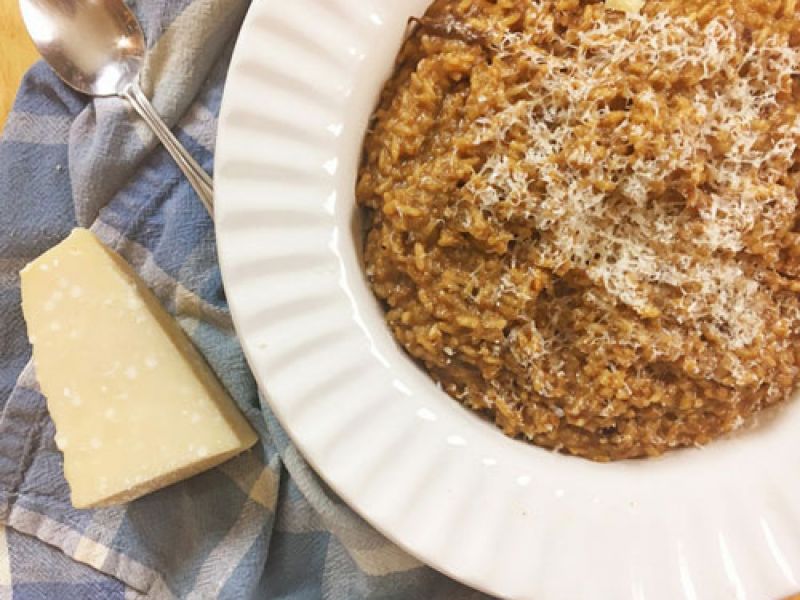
(374,71)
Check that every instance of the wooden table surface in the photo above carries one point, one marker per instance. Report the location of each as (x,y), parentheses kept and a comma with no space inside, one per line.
(16,56)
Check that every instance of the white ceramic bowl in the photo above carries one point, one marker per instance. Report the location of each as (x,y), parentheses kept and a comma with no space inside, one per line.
(505,517)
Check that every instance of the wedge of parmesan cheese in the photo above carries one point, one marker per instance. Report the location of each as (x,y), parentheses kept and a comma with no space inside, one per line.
(628,6)
(135,406)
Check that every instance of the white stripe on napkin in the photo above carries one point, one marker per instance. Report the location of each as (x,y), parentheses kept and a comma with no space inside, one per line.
(229,552)
(37,129)
(264,490)
(5,567)
(177,80)
(94,546)
(201,124)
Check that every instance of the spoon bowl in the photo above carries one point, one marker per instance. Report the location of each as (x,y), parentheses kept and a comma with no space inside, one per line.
(104,63)
(97,47)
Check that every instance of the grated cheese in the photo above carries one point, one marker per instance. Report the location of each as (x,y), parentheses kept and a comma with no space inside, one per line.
(584,222)
(629,6)
(606,212)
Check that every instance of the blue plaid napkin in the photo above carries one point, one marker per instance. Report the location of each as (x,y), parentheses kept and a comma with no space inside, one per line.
(260,526)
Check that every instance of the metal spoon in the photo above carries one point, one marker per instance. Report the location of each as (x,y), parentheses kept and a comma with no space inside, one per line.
(97,47)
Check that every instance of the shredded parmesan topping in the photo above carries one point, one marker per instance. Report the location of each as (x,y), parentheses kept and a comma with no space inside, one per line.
(629,6)
(617,199)
(583,215)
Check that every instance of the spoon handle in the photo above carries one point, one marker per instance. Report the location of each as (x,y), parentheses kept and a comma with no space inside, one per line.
(198,178)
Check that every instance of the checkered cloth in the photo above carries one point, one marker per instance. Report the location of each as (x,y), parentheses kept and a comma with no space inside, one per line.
(260,526)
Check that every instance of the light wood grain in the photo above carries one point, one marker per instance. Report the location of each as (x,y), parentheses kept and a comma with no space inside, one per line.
(16,56)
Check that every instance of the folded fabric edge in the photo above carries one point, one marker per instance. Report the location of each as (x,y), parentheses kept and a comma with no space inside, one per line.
(83,549)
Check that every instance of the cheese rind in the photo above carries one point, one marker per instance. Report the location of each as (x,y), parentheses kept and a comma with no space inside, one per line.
(135,405)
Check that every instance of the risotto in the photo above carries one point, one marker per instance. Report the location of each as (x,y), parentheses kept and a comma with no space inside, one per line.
(583,222)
